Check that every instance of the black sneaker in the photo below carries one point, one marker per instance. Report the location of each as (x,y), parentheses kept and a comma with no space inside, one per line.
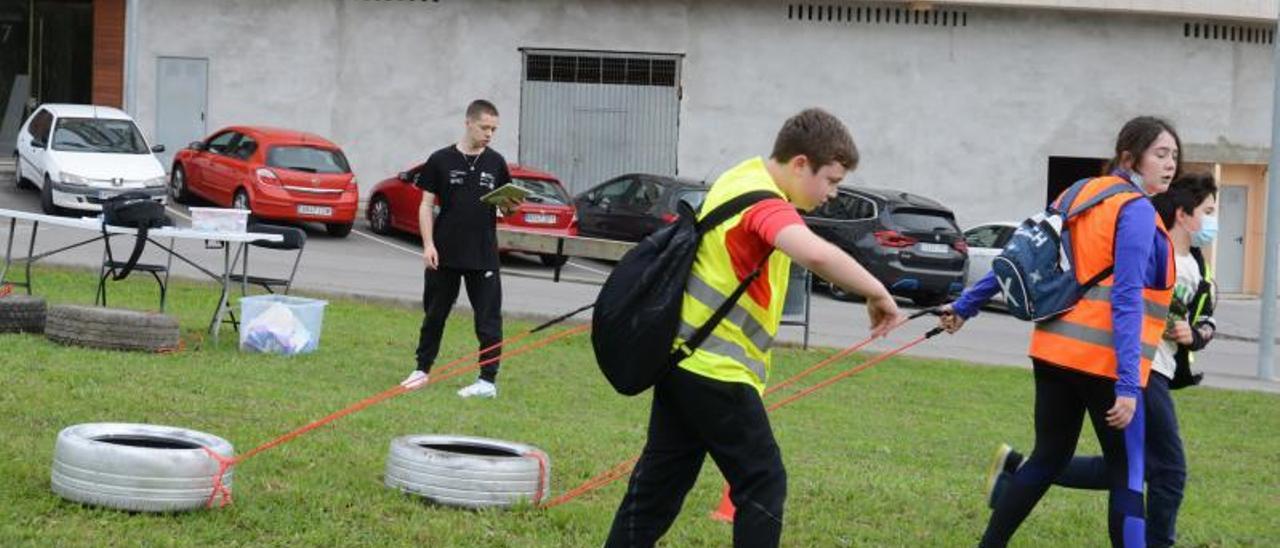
(1004,463)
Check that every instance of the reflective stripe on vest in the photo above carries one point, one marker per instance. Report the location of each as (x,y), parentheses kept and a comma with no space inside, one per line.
(738,315)
(1083,338)
(718,345)
(738,348)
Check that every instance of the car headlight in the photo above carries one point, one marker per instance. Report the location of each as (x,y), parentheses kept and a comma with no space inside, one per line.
(73,179)
(155,182)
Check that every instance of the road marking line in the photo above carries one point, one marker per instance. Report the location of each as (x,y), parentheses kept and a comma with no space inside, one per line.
(587,268)
(417,253)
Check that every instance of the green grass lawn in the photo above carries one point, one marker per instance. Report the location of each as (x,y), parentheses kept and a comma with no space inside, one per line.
(894,456)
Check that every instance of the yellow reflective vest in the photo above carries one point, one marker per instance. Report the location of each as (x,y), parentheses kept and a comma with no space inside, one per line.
(738,348)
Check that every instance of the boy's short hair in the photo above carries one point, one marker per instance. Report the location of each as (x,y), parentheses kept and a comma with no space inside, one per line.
(818,135)
(480,107)
(1186,193)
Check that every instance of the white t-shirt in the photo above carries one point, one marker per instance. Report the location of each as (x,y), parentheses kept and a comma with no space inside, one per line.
(1184,290)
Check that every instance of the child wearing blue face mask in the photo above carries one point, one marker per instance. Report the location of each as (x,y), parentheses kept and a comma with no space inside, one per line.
(1189,210)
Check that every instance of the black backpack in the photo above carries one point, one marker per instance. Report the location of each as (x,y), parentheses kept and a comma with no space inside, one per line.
(637,313)
(133,210)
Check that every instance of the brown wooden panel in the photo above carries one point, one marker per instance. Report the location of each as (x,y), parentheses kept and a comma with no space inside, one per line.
(108,52)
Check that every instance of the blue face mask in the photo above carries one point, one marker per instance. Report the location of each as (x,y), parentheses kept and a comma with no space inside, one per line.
(1208,231)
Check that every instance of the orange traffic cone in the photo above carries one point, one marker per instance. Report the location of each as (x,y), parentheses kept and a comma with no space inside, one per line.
(725,511)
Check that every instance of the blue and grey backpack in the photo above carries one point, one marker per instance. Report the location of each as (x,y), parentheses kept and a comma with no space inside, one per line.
(1036,268)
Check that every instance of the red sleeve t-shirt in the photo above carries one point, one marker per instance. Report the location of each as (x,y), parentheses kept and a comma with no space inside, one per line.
(753,239)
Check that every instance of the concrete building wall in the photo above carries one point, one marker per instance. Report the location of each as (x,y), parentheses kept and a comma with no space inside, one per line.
(966,114)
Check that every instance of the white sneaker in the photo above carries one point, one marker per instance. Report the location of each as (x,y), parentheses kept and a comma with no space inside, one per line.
(479,389)
(415,380)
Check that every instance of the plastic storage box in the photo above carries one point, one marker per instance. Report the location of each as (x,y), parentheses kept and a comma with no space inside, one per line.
(219,219)
(280,324)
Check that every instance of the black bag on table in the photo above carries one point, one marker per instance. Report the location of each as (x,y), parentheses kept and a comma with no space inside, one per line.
(132,210)
(637,313)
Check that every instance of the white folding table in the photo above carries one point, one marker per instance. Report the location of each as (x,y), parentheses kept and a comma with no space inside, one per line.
(94,224)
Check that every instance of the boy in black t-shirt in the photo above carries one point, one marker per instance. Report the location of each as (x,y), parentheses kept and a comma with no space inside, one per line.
(460,244)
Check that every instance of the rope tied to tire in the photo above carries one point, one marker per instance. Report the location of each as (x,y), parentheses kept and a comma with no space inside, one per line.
(226,463)
(224,466)
(6,289)
(539,493)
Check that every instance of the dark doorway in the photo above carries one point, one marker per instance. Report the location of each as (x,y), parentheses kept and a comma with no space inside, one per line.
(62,51)
(1065,170)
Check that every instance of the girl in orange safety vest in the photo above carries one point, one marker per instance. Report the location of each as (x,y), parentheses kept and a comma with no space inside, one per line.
(1097,357)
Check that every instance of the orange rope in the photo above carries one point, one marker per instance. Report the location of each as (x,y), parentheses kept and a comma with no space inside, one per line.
(6,289)
(226,463)
(625,467)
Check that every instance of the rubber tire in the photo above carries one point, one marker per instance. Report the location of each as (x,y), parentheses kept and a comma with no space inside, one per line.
(180,195)
(22,314)
(467,480)
(139,479)
(380,215)
(46,198)
(111,328)
(338,230)
(19,182)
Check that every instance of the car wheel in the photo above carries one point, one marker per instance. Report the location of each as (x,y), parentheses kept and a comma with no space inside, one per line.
(240,200)
(380,216)
(338,230)
(19,182)
(178,185)
(46,198)
(553,260)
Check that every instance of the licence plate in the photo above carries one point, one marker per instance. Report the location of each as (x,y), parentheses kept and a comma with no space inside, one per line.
(315,210)
(539,219)
(935,248)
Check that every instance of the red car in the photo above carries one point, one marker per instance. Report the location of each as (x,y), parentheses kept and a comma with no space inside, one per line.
(276,174)
(393,205)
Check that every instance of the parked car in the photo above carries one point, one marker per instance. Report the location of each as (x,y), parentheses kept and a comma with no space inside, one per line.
(630,207)
(909,242)
(276,174)
(80,155)
(986,241)
(393,205)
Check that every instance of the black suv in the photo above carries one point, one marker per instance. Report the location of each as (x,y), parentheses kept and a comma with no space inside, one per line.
(909,242)
(630,207)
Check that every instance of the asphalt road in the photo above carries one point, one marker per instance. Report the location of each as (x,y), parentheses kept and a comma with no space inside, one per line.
(390,268)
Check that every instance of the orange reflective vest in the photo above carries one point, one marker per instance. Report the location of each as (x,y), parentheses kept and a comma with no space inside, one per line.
(1082,338)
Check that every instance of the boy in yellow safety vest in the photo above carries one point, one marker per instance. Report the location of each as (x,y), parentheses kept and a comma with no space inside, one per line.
(711,402)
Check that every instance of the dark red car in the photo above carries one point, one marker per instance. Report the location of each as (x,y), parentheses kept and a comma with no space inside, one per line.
(393,205)
(276,174)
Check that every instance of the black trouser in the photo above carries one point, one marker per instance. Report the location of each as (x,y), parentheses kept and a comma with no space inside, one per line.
(439,292)
(1062,398)
(691,416)
(1166,465)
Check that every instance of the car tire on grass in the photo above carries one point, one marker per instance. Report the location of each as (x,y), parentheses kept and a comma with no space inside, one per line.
(137,467)
(22,314)
(111,328)
(468,472)
(338,230)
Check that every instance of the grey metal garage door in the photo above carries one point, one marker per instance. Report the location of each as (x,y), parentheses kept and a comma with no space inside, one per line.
(588,116)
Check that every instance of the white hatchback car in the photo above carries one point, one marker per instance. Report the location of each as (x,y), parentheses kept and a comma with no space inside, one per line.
(80,155)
